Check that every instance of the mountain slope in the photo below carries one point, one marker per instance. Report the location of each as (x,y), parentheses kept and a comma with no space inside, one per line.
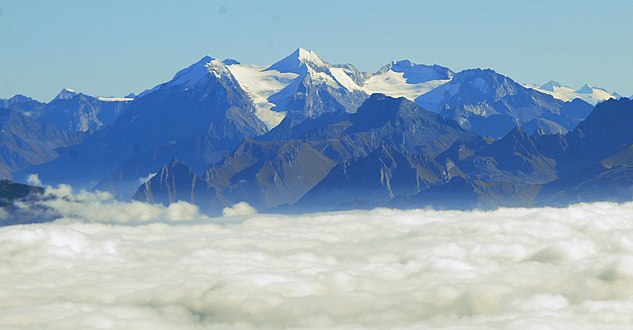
(492,104)
(23,104)
(74,111)
(406,79)
(319,87)
(268,174)
(372,181)
(591,95)
(25,142)
(175,182)
(598,159)
(283,165)
(203,100)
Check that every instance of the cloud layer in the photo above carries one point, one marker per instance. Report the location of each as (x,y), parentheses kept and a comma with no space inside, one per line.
(132,265)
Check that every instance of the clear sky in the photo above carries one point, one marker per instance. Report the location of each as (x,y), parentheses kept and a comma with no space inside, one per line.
(116,47)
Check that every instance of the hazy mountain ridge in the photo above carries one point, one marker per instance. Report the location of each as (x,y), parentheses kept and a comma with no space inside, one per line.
(293,135)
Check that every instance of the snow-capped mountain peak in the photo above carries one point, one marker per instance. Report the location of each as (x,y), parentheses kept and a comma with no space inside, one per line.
(66,94)
(218,68)
(193,73)
(299,61)
(404,78)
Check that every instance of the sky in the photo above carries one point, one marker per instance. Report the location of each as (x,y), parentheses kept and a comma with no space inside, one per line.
(115,47)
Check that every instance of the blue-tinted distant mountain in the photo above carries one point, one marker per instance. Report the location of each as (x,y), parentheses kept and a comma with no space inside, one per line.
(201,151)
(25,142)
(593,162)
(591,95)
(372,181)
(74,111)
(492,104)
(303,134)
(418,73)
(281,168)
(598,160)
(605,132)
(22,104)
(267,174)
(203,100)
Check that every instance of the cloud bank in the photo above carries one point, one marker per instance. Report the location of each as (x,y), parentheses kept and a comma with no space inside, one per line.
(110,264)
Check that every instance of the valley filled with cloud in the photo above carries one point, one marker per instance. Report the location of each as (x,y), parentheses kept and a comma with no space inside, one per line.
(108,264)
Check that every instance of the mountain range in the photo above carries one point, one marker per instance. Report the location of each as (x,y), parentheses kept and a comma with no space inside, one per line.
(306,135)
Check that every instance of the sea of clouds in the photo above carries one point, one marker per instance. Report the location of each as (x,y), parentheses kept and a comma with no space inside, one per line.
(109,264)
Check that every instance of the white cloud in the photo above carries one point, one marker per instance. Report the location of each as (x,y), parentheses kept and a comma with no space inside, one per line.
(101,207)
(239,209)
(34,180)
(547,268)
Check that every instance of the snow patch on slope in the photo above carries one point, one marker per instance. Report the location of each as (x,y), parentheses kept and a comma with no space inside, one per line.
(344,80)
(395,85)
(261,84)
(114,99)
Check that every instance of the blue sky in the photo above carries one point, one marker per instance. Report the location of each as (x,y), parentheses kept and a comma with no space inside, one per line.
(117,47)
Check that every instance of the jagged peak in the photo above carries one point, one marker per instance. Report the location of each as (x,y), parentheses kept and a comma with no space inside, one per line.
(203,69)
(230,61)
(418,73)
(380,104)
(585,89)
(298,62)
(66,94)
(477,72)
(488,82)
(193,73)
(19,98)
(379,97)
(308,56)
(551,85)
(402,63)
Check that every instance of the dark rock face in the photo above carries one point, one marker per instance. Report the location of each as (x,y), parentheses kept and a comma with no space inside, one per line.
(391,152)
(373,180)
(25,142)
(268,174)
(388,144)
(175,182)
(598,158)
